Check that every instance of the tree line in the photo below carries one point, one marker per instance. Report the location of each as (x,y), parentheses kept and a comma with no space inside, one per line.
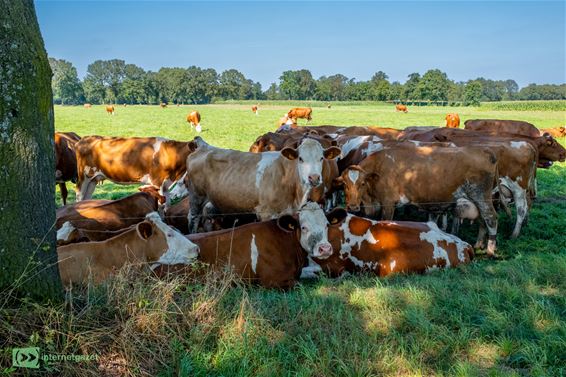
(114,81)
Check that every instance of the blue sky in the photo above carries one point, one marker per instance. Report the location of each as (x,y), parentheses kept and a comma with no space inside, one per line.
(521,40)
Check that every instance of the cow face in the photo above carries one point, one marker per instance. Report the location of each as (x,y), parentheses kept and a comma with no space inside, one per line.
(356,184)
(550,150)
(168,246)
(309,165)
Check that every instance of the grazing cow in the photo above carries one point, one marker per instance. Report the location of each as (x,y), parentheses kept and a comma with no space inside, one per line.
(110,110)
(452,120)
(106,215)
(255,109)
(286,123)
(329,106)
(125,105)
(386,247)
(272,253)
(300,112)
(154,161)
(498,126)
(194,120)
(402,108)
(403,175)
(65,161)
(87,105)
(554,132)
(163,105)
(151,241)
(268,184)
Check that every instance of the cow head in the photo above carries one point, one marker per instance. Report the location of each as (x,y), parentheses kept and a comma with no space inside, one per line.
(167,246)
(309,156)
(311,224)
(357,186)
(549,150)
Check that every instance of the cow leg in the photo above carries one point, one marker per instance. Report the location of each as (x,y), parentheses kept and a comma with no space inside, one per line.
(64,192)
(195,212)
(489,216)
(387,211)
(82,188)
(444,222)
(480,241)
(455,225)
(311,271)
(521,203)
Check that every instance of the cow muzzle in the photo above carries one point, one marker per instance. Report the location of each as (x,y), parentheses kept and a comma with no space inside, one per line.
(323,251)
(353,207)
(314,180)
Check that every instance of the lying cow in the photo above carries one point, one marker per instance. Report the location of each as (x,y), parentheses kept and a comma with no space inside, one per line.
(65,161)
(269,184)
(151,241)
(385,247)
(402,108)
(272,253)
(68,234)
(410,174)
(498,126)
(153,161)
(554,132)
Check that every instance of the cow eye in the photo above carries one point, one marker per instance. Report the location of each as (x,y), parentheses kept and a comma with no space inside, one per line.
(322,158)
(304,228)
(300,159)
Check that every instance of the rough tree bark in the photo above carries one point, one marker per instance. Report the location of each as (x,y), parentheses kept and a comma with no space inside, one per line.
(27,180)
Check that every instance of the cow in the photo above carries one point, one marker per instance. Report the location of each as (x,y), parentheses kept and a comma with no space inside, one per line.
(255,109)
(452,120)
(106,215)
(87,105)
(163,105)
(110,109)
(273,253)
(74,235)
(153,161)
(549,150)
(286,123)
(400,107)
(386,247)
(502,126)
(403,175)
(269,183)
(300,112)
(65,161)
(194,120)
(149,242)
(275,141)
(554,132)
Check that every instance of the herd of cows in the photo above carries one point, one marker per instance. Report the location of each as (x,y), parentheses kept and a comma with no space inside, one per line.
(304,201)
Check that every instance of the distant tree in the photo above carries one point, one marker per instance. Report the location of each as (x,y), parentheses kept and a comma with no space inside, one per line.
(395,91)
(472,93)
(511,89)
(27,162)
(331,88)
(273,92)
(256,92)
(456,92)
(109,74)
(67,88)
(133,89)
(170,84)
(359,91)
(410,87)
(379,86)
(94,91)
(200,85)
(434,86)
(543,92)
(297,85)
(234,85)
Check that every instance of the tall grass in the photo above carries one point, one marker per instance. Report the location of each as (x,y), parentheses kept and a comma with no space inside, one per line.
(525,106)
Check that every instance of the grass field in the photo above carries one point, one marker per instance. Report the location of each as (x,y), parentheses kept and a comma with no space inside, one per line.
(500,318)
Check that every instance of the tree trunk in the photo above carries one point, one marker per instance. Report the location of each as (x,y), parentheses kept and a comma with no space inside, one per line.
(28,257)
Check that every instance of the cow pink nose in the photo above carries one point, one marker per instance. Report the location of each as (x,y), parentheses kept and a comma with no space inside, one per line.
(314,179)
(325,249)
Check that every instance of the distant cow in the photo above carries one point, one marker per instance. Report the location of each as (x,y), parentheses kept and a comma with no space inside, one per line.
(110,110)
(149,242)
(499,126)
(154,161)
(65,160)
(286,123)
(386,247)
(554,132)
(255,109)
(163,105)
(402,108)
(194,120)
(87,105)
(269,184)
(300,112)
(452,120)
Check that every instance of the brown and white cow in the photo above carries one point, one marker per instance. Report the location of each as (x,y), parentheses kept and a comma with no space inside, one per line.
(149,242)
(75,235)
(272,253)
(255,109)
(387,247)
(499,126)
(409,174)
(269,184)
(452,120)
(110,110)
(402,108)
(163,105)
(554,132)
(87,105)
(194,120)
(154,161)
(300,112)
(65,161)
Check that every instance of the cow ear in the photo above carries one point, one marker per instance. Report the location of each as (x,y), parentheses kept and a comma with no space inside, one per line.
(562,129)
(338,182)
(546,135)
(334,143)
(336,216)
(441,138)
(372,178)
(332,152)
(288,223)
(192,146)
(289,153)
(144,230)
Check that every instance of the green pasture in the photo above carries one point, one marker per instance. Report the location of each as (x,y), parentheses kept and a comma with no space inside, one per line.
(490,318)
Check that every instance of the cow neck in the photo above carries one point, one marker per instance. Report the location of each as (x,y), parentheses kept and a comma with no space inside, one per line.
(125,247)
(300,192)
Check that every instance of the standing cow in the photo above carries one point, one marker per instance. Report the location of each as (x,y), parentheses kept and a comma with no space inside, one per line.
(65,160)
(402,108)
(194,120)
(110,110)
(255,109)
(452,120)
(268,184)
(300,112)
